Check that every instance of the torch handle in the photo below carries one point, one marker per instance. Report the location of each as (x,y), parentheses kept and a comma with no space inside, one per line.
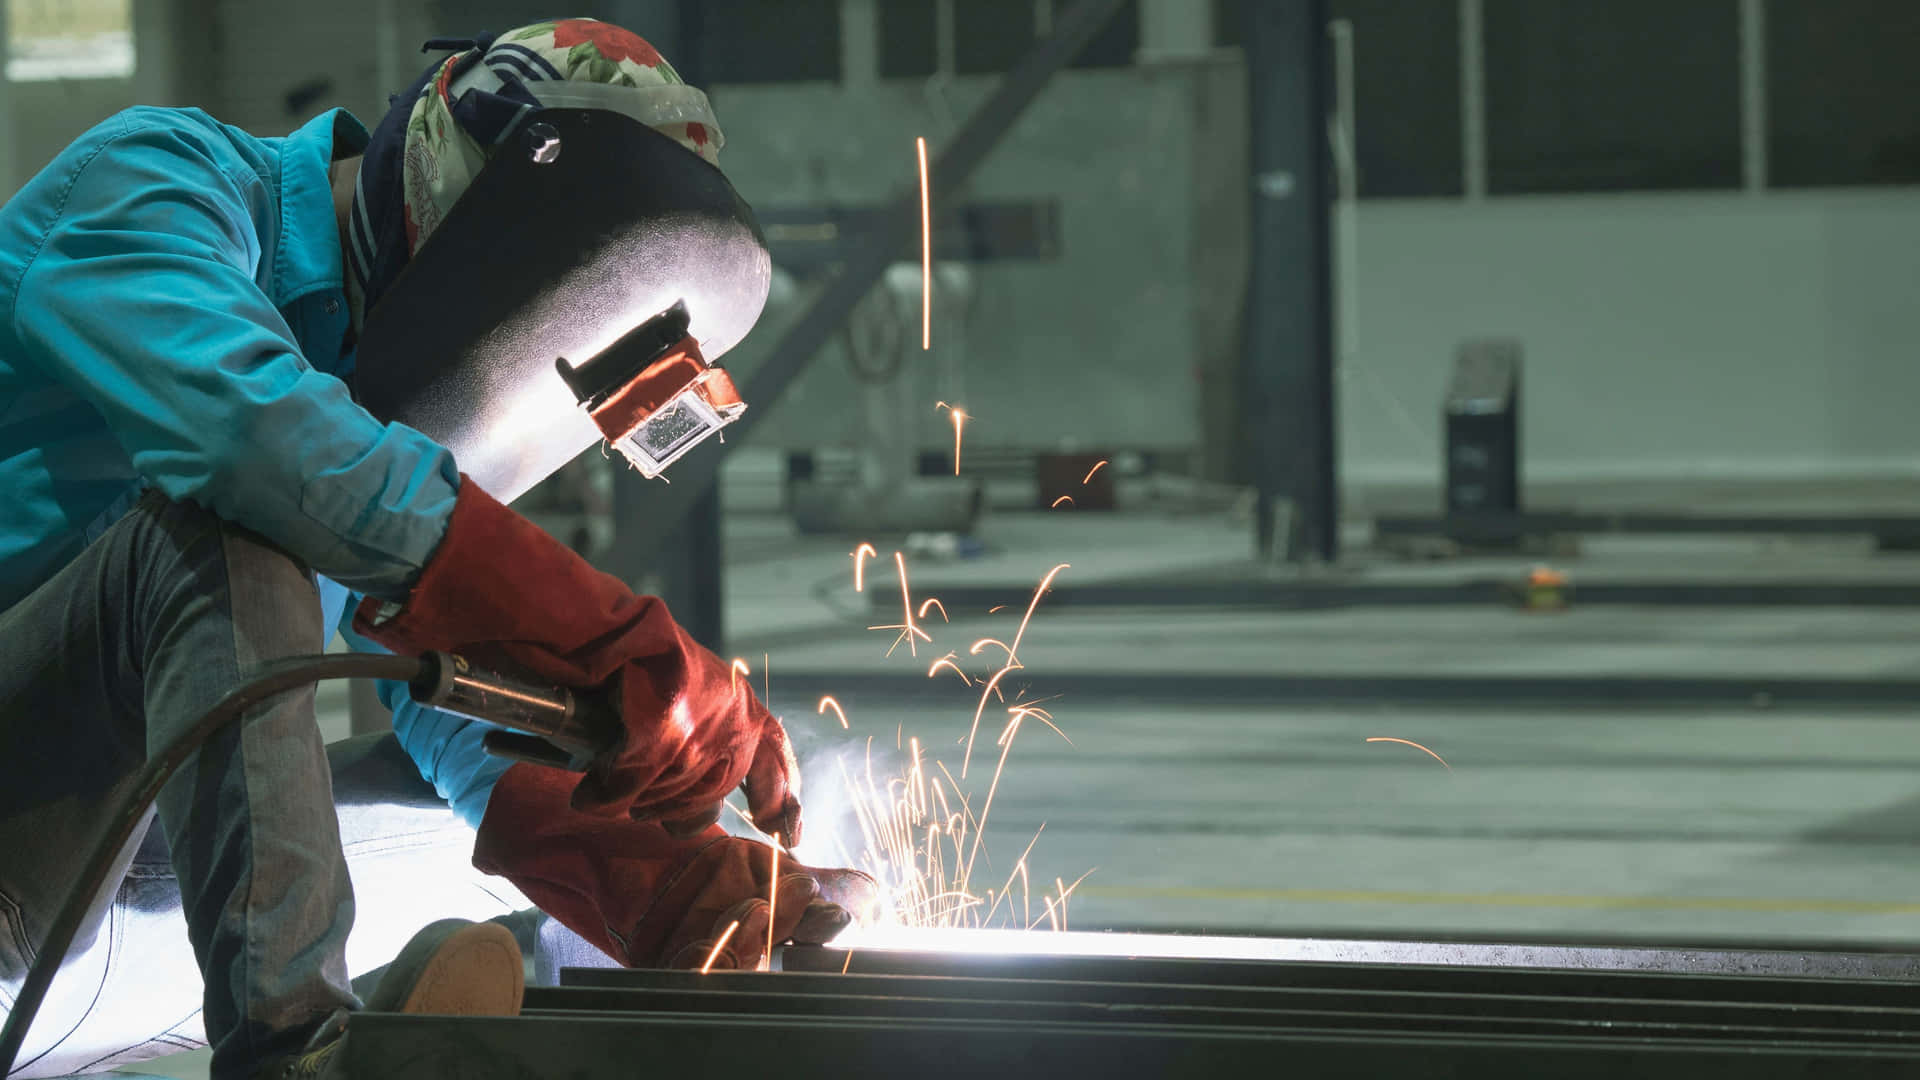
(551,725)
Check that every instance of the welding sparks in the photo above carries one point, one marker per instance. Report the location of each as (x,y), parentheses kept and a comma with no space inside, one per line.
(959,419)
(926,250)
(828,703)
(918,834)
(1068,499)
(947,661)
(1089,477)
(725,936)
(860,556)
(933,601)
(907,627)
(739,669)
(1415,745)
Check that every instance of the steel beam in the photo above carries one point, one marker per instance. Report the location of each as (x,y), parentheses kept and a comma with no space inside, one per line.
(667,505)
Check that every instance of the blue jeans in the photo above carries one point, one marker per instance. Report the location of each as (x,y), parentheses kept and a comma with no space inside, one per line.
(102,665)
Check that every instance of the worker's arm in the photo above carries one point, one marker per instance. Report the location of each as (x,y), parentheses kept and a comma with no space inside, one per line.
(447,749)
(142,300)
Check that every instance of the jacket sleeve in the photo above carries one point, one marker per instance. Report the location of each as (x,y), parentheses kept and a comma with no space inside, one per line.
(447,749)
(142,299)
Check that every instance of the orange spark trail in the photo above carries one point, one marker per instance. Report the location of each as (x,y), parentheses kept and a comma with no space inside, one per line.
(1090,472)
(947,661)
(860,557)
(996,609)
(725,936)
(828,702)
(926,253)
(844,968)
(906,625)
(1031,605)
(934,601)
(1068,499)
(1415,745)
(739,669)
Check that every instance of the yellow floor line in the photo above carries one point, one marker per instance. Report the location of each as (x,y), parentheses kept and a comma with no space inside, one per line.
(1520,900)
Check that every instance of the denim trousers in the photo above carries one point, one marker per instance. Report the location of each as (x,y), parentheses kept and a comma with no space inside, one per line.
(233,920)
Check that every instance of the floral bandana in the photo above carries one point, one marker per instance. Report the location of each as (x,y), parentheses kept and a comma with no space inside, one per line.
(469,104)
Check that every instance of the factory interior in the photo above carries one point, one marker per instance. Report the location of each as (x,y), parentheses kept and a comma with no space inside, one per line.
(1398,519)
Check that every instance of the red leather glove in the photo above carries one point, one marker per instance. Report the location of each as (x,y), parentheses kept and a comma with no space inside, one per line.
(504,594)
(647,898)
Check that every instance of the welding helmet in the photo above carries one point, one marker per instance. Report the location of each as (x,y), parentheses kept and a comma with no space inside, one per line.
(582,287)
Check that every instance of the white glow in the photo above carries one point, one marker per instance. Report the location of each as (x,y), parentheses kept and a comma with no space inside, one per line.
(1071,943)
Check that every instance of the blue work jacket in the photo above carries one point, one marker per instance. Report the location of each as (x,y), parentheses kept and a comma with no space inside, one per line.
(173,315)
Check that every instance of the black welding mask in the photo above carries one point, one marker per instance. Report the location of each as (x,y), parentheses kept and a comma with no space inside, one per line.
(581,288)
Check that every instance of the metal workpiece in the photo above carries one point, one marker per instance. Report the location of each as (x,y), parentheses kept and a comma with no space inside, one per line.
(833,1013)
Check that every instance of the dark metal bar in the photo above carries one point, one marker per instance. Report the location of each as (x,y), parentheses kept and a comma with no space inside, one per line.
(1837,990)
(590,1046)
(1287,403)
(1509,527)
(1137,1005)
(1332,595)
(1569,692)
(667,505)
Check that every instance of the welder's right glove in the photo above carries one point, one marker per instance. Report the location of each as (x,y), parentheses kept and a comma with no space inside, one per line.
(505,595)
(648,898)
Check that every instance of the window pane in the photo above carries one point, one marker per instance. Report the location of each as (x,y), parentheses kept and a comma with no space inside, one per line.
(907,39)
(1406,91)
(763,41)
(1843,92)
(69,39)
(1612,95)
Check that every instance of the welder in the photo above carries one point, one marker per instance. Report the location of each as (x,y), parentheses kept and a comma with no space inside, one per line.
(196,479)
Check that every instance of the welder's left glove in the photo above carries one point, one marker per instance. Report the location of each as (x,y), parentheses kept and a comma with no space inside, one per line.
(647,898)
(505,595)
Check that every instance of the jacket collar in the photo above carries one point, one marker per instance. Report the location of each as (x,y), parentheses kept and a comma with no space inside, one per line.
(309,257)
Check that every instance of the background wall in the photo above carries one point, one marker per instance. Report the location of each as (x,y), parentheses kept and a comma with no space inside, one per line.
(1666,334)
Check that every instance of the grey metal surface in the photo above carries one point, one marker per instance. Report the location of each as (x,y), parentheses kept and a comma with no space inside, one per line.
(1287,415)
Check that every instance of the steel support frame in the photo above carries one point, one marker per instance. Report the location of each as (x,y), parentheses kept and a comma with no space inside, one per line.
(1287,419)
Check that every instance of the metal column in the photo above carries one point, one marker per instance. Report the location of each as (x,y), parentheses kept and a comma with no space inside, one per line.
(1287,418)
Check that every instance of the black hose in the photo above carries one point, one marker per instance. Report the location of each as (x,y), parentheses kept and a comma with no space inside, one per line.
(274,678)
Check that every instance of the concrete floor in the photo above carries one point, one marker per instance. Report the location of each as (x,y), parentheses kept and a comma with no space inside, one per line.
(1598,822)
